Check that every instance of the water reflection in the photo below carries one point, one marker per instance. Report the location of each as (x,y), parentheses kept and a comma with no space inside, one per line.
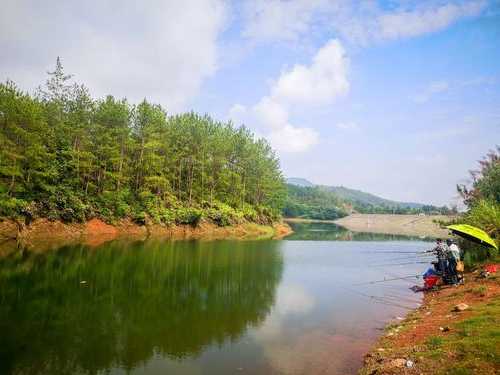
(317,231)
(78,310)
(298,306)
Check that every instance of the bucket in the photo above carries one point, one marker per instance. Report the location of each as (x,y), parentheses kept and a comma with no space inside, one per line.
(430,281)
(491,268)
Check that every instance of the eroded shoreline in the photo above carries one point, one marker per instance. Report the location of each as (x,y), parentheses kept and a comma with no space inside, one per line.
(43,234)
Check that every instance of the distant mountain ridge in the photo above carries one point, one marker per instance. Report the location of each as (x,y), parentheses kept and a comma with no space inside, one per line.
(297,181)
(356,196)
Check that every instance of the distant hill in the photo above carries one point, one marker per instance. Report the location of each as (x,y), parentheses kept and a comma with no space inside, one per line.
(367,198)
(297,181)
(306,199)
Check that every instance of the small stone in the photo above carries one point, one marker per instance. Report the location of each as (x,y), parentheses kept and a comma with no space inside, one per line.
(381,349)
(399,318)
(409,363)
(390,334)
(461,307)
(428,313)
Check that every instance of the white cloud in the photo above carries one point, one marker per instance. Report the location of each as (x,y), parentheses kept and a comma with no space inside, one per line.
(237,113)
(320,83)
(372,24)
(351,126)
(271,113)
(293,139)
(432,89)
(360,22)
(292,299)
(403,23)
(162,50)
(269,20)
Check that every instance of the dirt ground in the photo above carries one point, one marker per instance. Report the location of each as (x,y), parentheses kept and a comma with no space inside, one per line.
(437,339)
(43,234)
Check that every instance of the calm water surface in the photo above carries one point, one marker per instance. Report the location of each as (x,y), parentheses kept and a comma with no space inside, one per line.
(302,305)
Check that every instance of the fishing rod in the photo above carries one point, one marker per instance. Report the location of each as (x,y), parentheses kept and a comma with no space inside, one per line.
(413,257)
(397,264)
(394,252)
(385,280)
(378,299)
(399,297)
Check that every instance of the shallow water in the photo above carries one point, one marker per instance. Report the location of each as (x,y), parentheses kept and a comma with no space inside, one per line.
(302,305)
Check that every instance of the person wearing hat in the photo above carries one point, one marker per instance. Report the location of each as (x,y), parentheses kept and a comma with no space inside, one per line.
(453,257)
(441,252)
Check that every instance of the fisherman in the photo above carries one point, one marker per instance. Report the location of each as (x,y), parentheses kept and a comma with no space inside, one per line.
(441,252)
(453,257)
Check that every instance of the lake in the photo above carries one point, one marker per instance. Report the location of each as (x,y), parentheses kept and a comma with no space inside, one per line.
(312,303)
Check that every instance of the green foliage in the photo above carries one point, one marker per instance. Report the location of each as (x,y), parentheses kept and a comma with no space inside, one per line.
(483,200)
(485,181)
(331,202)
(65,155)
(472,343)
(313,203)
(188,215)
(131,298)
(434,342)
(485,215)
(223,214)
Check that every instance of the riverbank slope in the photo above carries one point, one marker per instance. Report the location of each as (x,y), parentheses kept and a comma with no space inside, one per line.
(411,225)
(439,338)
(48,234)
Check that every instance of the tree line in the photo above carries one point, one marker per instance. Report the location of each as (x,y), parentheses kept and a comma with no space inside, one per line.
(321,203)
(65,155)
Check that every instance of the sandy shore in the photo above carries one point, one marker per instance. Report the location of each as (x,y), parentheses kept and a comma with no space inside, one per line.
(410,225)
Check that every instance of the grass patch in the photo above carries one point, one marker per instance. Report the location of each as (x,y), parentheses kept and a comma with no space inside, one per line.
(479,290)
(434,342)
(474,343)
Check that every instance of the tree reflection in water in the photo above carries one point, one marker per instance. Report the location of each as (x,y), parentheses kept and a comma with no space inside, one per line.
(78,310)
(318,231)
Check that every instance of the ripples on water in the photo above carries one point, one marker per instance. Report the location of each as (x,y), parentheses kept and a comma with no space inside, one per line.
(301,305)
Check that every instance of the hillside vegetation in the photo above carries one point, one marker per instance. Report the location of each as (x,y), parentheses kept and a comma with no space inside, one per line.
(67,156)
(313,203)
(310,201)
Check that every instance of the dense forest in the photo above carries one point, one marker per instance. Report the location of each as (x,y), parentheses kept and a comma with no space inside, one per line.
(313,203)
(65,155)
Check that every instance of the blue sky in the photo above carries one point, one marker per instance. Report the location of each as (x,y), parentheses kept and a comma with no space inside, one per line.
(396,98)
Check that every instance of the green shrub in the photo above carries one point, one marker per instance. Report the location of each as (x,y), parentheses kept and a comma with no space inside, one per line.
(485,215)
(139,217)
(11,207)
(222,214)
(188,215)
